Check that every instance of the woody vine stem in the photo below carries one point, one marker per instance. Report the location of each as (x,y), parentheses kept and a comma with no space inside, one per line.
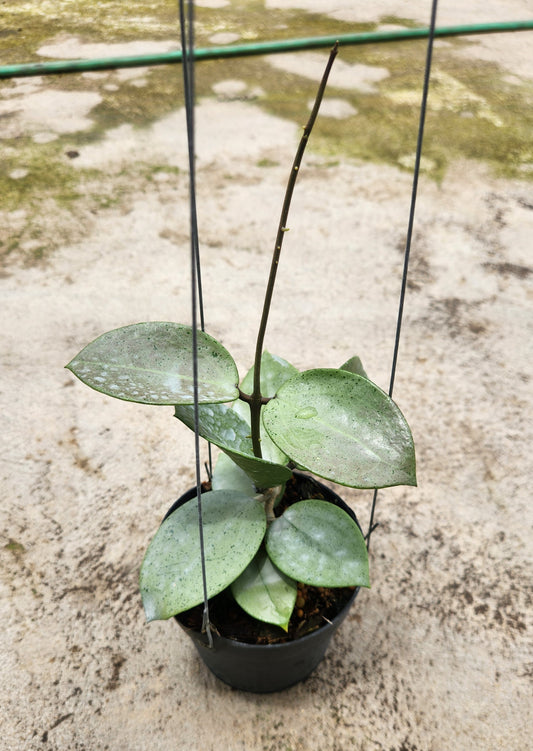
(255,399)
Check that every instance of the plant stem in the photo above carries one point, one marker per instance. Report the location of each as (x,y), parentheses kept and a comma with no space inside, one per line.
(256,397)
(268,499)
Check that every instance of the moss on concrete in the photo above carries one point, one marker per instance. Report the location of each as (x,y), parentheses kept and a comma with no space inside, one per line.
(474,111)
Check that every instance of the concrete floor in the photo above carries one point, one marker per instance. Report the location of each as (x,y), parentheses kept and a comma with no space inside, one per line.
(437,655)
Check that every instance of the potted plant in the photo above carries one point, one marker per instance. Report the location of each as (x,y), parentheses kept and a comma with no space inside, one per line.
(262,567)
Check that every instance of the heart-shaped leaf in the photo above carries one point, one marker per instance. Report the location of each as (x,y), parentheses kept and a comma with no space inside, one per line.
(221,425)
(264,592)
(171,572)
(318,543)
(341,426)
(152,363)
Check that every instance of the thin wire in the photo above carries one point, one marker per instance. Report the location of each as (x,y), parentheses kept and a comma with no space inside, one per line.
(416,173)
(187,44)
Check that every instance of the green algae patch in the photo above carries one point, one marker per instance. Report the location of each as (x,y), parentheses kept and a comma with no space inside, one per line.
(27,26)
(475,110)
(15,547)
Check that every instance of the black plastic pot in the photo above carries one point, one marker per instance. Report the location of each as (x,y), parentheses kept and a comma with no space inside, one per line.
(263,668)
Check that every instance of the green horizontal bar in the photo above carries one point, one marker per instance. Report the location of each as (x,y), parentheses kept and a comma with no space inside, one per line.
(260,48)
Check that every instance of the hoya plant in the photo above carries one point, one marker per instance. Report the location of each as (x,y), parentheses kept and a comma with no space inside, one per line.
(332,422)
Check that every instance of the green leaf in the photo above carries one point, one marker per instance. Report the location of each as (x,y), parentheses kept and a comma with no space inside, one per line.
(151,363)
(221,425)
(171,572)
(228,476)
(341,426)
(318,543)
(264,592)
(354,365)
(274,372)
(265,474)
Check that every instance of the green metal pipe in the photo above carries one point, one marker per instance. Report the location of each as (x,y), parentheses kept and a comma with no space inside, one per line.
(261,48)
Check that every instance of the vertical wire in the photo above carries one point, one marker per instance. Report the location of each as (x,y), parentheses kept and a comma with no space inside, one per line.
(187,44)
(416,173)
